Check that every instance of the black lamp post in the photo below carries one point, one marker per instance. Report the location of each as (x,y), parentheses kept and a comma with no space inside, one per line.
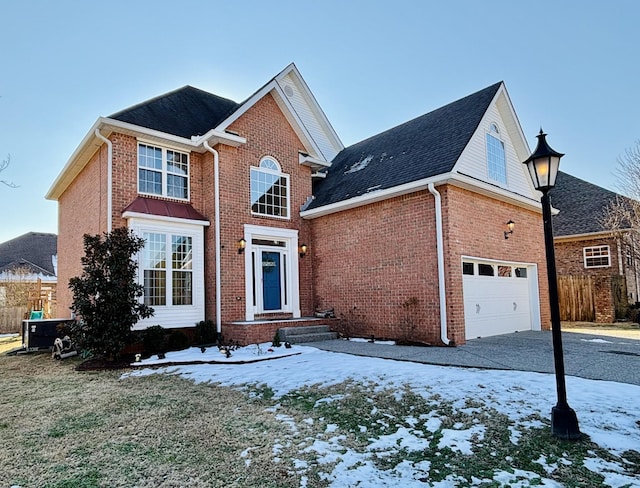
(543,168)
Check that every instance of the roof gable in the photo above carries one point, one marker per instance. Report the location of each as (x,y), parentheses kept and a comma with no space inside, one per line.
(33,249)
(473,161)
(185,112)
(581,205)
(301,109)
(424,147)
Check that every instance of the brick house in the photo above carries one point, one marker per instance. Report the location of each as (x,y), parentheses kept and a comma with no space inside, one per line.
(255,215)
(598,269)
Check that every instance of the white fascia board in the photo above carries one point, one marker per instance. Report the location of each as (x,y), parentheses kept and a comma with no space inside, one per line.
(215,136)
(164,219)
(496,192)
(75,163)
(372,197)
(454,179)
(90,144)
(313,163)
(586,237)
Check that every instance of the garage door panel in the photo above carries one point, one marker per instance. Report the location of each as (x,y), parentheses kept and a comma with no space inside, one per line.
(495,305)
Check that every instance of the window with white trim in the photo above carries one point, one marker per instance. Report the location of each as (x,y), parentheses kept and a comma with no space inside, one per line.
(167,269)
(496,161)
(163,172)
(269,189)
(597,257)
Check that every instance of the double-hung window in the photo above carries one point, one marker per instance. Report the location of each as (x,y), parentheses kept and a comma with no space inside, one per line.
(597,257)
(167,269)
(163,172)
(269,189)
(496,161)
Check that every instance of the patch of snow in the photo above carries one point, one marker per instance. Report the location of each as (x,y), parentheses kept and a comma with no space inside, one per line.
(461,440)
(608,411)
(362,339)
(599,341)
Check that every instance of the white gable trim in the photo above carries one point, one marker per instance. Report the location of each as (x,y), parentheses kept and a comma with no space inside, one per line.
(289,111)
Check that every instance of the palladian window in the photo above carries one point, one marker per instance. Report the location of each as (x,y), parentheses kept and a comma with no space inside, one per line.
(269,189)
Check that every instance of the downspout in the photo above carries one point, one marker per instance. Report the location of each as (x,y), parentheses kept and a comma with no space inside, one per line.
(216,179)
(109,177)
(440,251)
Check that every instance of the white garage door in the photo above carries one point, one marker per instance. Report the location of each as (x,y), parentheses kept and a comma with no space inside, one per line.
(496,298)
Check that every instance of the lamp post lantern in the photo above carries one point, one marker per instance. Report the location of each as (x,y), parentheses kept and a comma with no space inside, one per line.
(543,168)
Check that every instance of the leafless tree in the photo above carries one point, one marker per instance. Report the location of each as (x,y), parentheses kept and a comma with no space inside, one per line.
(4,165)
(622,215)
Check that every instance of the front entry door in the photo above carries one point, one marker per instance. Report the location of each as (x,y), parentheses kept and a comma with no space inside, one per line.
(271,281)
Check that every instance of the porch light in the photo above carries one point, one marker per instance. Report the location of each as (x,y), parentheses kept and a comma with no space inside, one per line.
(241,245)
(303,250)
(543,168)
(510,225)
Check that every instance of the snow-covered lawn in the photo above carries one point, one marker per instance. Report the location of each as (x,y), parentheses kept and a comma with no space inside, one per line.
(450,413)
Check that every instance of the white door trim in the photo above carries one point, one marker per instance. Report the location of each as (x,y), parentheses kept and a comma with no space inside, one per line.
(290,239)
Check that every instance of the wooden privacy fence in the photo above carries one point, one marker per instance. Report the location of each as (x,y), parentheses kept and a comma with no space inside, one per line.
(577,298)
(11,319)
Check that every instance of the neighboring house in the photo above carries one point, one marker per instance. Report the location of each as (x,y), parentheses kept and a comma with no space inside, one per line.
(30,260)
(255,215)
(599,270)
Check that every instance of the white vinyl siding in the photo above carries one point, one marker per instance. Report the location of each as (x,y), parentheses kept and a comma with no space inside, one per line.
(473,160)
(309,118)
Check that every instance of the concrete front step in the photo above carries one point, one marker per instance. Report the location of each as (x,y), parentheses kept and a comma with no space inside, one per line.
(312,333)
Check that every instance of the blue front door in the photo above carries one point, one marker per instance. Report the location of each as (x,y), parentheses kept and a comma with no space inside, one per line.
(271,283)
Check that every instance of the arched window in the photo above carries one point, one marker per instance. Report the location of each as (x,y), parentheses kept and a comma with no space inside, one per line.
(496,162)
(269,189)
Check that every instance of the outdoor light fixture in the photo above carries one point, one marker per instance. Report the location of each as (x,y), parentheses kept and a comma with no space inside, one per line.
(303,250)
(543,168)
(241,245)
(510,225)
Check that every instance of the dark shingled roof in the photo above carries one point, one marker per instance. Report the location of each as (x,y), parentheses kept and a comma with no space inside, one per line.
(581,205)
(185,112)
(32,250)
(421,148)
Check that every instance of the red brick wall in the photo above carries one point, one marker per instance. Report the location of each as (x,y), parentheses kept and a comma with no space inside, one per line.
(570,261)
(371,260)
(570,257)
(475,226)
(82,209)
(268,134)
(376,265)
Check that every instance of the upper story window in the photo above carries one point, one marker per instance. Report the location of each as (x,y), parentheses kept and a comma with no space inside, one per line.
(597,257)
(163,172)
(496,161)
(269,189)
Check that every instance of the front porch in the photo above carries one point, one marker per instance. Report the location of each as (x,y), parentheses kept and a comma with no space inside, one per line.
(261,330)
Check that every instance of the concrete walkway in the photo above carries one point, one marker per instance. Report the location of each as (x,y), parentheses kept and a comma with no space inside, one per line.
(585,355)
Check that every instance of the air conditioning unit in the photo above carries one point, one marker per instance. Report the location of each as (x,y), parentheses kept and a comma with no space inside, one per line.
(39,335)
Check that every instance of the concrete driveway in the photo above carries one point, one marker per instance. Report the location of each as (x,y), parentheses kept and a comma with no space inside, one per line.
(585,355)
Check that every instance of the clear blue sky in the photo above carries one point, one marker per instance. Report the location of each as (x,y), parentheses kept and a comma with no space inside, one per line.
(570,66)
